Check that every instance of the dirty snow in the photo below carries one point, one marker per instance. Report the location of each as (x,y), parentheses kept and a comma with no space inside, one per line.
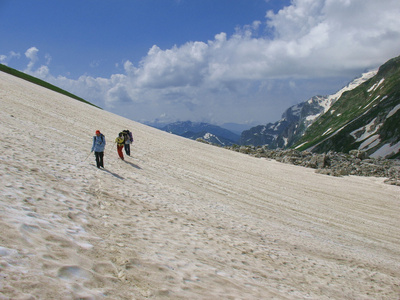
(178,219)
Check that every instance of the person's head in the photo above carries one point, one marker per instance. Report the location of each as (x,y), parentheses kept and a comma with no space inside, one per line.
(97,132)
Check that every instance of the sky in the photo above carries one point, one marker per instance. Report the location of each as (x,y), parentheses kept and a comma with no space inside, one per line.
(215,61)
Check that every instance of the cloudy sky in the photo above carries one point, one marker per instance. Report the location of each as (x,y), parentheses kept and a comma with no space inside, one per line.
(217,61)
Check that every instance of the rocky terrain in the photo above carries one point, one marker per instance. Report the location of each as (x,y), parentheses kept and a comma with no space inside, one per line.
(334,163)
(331,163)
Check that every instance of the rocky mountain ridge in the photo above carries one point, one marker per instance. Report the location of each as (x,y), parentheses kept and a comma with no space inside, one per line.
(364,115)
(296,119)
(365,118)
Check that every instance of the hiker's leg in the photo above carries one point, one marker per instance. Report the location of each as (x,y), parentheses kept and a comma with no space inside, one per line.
(97,154)
(119,149)
(128,149)
(101,160)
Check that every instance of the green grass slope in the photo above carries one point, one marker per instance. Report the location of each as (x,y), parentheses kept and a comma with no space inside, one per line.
(40,82)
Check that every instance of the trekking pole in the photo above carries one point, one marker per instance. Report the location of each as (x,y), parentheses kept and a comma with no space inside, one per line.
(87,156)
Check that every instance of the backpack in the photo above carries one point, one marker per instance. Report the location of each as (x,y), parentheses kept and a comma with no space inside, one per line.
(100,136)
(127,134)
(130,135)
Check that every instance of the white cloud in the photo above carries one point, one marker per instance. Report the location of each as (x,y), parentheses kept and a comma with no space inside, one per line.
(41,72)
(333,33)
(48,59)
(256,73)
(4,59)
(312,39)
(31,54)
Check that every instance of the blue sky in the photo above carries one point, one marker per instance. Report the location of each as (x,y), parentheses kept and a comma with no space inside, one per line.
(217,61)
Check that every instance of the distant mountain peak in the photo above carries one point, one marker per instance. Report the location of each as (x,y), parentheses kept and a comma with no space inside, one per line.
(211,133)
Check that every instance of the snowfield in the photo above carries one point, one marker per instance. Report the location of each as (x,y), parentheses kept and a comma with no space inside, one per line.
(178,219)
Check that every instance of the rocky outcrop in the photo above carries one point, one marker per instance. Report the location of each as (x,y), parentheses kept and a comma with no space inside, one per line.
(331,163)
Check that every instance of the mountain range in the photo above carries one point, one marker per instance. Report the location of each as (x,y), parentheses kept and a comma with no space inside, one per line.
(364,115)
(212,134)
(296,119)
(366,118)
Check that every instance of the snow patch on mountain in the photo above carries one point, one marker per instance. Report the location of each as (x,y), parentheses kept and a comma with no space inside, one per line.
(326,102)
(376,85)
(385,149)
(393,111)
(365,131)
(352,85)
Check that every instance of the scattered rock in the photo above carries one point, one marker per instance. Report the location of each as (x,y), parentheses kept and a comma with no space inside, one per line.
(332,163)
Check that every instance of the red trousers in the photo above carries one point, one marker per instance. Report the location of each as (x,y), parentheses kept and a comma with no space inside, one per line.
(119,150)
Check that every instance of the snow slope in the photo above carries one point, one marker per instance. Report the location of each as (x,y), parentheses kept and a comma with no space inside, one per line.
(179,219)
(327,101)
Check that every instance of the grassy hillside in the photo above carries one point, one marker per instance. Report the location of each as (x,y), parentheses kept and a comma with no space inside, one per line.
(40,82)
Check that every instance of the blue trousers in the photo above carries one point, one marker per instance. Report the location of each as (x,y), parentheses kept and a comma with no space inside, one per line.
(127,149)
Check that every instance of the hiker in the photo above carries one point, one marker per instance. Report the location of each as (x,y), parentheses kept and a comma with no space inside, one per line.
(120,144)
(128,141)
(99,143)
